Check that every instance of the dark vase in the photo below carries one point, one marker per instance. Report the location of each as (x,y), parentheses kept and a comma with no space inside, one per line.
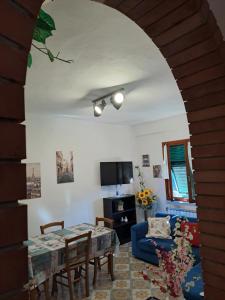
(145,214)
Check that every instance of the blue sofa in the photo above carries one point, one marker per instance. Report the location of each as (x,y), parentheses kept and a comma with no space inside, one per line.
(194,292)
(144,249)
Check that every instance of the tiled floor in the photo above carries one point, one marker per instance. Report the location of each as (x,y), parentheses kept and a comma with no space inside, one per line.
(128,284)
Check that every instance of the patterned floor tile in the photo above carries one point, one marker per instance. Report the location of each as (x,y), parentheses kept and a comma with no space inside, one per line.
(122,260)
(122,267)
(136,275)
(104,284)
(120,295)
(140,284)
(141,294)
(100,295)
(137,266)
(124,254)
(122,275)
(124,249)
(121,284)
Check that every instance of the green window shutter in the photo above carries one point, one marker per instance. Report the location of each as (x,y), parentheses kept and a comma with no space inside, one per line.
(178,166)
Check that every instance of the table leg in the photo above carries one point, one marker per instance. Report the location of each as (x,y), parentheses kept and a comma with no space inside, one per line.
(46,288)
(33,294)
(95,270)
(110,265)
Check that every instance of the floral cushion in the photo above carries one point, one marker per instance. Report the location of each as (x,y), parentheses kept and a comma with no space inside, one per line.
(159,228)
(193,230)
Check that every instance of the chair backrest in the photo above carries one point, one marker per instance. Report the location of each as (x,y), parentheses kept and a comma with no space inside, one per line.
(77,249)
(107,222)
(53,224)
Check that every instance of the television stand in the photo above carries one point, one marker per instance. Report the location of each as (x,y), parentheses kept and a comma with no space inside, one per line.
(111,205)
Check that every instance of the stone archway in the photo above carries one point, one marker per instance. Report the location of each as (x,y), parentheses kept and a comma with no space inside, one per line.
(186,33)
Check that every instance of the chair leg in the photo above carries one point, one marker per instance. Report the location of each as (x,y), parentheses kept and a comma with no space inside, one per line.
(54,285)
(70,283)
(77,273)
(87,279)
(46,288)
(38,291)
(110,265)
(95,271)
(109,268)
(99,264)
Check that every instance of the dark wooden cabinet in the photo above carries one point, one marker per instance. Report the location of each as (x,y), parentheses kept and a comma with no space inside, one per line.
(112,211)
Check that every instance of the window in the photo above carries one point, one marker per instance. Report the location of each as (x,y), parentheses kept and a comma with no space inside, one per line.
(179,179)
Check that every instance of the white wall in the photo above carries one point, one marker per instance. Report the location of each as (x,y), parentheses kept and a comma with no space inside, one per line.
(148,140)
(91,142)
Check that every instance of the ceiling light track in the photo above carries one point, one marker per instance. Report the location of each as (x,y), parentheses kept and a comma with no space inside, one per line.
(116,98)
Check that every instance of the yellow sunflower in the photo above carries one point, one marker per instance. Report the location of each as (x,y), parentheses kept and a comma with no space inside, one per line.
(147,192)
(141,195)
(144,202)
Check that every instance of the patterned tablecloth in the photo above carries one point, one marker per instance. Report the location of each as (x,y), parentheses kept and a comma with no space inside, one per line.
(46,251)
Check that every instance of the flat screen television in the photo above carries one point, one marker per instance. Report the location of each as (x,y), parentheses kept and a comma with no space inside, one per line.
(113,173)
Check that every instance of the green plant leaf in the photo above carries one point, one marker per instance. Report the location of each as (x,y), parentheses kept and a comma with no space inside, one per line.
(43,25)
(50,55)
(40,35)
(47,19)
(29,60)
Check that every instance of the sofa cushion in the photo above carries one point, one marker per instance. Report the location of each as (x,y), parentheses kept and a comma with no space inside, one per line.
(148,245)
(159,228)
(193,230)
(173,219)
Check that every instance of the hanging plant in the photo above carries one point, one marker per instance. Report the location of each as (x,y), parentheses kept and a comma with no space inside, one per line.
(45,25)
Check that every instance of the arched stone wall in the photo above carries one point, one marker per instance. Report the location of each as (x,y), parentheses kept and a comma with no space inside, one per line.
(186,33)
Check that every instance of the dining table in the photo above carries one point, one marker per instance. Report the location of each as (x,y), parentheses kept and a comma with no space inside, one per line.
(46,251)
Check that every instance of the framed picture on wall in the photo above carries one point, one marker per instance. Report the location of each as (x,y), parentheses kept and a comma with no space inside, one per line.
(157,171)
(64,165)
(33,180)
(145,160)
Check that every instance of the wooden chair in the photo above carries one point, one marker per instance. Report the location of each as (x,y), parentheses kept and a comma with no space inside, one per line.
(49,225)
(77,251)
(43,231)
(107,258)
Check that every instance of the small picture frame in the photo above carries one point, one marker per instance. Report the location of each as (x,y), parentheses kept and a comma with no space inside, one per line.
(64,166)
(157,171)
(33,171)
(145,160)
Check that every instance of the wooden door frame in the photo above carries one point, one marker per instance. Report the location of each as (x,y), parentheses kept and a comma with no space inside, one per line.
(168,182)
(186,33)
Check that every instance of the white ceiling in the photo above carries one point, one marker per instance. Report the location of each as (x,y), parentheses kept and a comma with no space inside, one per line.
(109,51)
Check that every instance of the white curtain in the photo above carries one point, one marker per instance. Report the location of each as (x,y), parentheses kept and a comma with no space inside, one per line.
(191,171)
(189,157)
(165,170)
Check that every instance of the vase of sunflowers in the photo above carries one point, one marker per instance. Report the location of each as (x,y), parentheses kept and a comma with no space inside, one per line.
(145,197)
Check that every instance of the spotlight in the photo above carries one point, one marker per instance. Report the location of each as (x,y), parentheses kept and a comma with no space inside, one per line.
(117,99)
(98,108)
